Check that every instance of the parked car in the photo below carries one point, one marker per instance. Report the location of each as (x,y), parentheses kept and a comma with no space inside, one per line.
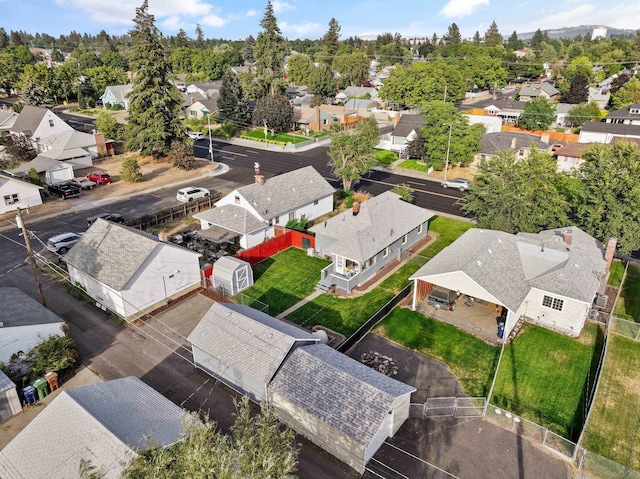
(83,183)
(113,217)
(196,135)
(442,298)
(62,242)
(64,190)
(191,193)
(461,184)
(99,177)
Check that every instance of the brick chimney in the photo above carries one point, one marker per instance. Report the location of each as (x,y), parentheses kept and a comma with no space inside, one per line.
(544,138)
(259,179)
(567,237)
(317,126)
(101,146)
(610,251)
(193,100)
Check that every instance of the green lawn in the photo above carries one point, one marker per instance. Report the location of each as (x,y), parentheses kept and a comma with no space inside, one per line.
(628,304)
(282,137)
(544,375)
(616,272)
(470,359)
(613,430)
(422,165)
(385,157)
(284,279)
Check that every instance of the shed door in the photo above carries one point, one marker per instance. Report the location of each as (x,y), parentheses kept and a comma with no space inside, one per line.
(242,279)
(306,243)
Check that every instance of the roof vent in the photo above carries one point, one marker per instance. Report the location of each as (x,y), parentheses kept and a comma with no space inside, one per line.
(479,263)
(490,252)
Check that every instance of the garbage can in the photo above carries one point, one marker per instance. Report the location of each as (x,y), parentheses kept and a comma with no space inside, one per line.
(30,395)
(500,329)
(41,386)
(52,379)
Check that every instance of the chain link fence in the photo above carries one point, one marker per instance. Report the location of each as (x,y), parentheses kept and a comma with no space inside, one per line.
(624,328)
(593,466)
(449,406)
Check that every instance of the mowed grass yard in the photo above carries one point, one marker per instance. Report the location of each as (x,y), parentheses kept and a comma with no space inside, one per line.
(284,279)
(613,430)
(346,315)
(628,304)
(545,376)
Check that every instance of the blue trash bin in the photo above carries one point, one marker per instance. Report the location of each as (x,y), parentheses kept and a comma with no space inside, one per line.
(500,329)
(30,394)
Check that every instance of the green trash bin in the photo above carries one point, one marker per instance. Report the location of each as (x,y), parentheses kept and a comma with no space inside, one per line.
(41,386)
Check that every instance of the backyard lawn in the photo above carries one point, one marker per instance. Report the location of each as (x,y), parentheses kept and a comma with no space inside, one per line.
(385,157)
(628,304)
(284,279)
(258,134)
(544,377)
(470,359)
(613,430)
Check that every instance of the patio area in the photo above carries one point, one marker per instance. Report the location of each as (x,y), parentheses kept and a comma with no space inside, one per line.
(478,319)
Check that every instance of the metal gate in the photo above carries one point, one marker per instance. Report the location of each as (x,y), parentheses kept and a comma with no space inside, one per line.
(451,406)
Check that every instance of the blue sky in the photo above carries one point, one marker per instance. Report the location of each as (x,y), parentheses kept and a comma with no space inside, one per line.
(309,18)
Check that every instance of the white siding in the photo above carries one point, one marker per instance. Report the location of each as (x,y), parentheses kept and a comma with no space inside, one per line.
(166,272)
(594,137)
(25,338)
(28,195)
(459,281)
(103,294)
(568,321)
(50,125)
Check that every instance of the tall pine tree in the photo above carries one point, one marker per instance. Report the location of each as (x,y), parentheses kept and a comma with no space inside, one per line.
(271,47)
(231,104)
(154,102)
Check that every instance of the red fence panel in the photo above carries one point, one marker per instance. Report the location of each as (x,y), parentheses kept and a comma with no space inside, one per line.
(275,245)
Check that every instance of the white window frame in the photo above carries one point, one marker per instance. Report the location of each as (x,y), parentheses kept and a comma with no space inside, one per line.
(419,228)
(404,239)
(385,252)
(11,199)
(550,302)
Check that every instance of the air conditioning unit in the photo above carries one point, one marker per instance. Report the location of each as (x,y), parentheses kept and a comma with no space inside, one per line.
(601,300)
(311,251)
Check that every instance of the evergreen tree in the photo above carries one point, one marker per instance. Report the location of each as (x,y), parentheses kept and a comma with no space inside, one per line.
(330,41)
(476,38)
(492,37)
(578,91)
(154,102)
(130,171)
(271,47)
(536,40)
(247,51)
(416,147)
(452,37)
(181,39)
(199,37)
(273,112)
(513,43)
(232,106)
(4,38)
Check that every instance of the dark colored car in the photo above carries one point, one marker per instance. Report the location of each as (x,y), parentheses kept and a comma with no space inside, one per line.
(64,190)
(442,298)
(99,177)
(113,217)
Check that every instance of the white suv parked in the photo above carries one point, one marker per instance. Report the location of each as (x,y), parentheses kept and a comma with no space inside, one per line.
(191,193)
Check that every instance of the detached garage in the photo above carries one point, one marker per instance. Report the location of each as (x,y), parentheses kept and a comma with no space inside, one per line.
(231,275)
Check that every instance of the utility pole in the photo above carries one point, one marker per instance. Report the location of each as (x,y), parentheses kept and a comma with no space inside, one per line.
(32,259)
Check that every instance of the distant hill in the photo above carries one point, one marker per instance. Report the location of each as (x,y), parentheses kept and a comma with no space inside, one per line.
(582,30)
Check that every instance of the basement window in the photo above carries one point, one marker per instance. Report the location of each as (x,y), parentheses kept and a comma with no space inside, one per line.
(553,303)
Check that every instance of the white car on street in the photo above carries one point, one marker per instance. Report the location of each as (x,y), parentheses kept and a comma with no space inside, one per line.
(191,193)
(196,135)
(62,242)
(461,184)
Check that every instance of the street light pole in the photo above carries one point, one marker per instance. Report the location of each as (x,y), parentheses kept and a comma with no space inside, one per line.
(446,161)
(210,143)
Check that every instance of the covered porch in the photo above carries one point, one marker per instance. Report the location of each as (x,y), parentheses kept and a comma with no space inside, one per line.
(343,273)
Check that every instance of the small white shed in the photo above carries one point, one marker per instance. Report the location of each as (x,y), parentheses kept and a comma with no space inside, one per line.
(231,275)
(9,400)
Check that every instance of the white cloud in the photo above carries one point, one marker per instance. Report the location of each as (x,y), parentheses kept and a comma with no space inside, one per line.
(172,23)
(299,29)
(252,13)
(214,21)
(461,8)
(280,6)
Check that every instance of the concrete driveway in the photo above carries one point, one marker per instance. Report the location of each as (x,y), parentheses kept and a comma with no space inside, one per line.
(446,446)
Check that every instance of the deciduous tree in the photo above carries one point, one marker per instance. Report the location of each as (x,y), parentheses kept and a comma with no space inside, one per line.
(154,102)
(579,114)
(352,152)
(514,195)
(578,91)
(353,68)
(299,69)
(109,126)
(538,114)
(628,94)
(273,112)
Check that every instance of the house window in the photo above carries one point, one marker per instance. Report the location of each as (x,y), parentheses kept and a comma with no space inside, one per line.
(236,199)
(419,229)
(385,253)
(277,220)
(404,239)
(51,123)
(292,216)
(11,199)
(315,203)
(553,303)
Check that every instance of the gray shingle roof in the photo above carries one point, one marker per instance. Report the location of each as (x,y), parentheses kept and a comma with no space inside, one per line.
(287,192)
(246,338)
(103,423)
(69,139)
(20,309)
(382,221)
(623,114)
(341,392)
(99,253)
(29,119)
(407,124)
(41,163)
(231,217)
(5,383)
(536,89)
(493,143)
(613,128)
(119,92)
(508,266)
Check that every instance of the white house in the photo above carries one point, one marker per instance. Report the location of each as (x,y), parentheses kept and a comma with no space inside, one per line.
(16,193)
(550,278)
(116,95)
(363,240)
(35,122)
(147,276)
(105,424)
(74,147)
(629,115)
(7,118)
(492,124)
(605,132)
(49,171)
(244,347)
(248,215)
(25,323)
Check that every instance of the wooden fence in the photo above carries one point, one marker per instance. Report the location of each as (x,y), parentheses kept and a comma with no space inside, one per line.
(174,213)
